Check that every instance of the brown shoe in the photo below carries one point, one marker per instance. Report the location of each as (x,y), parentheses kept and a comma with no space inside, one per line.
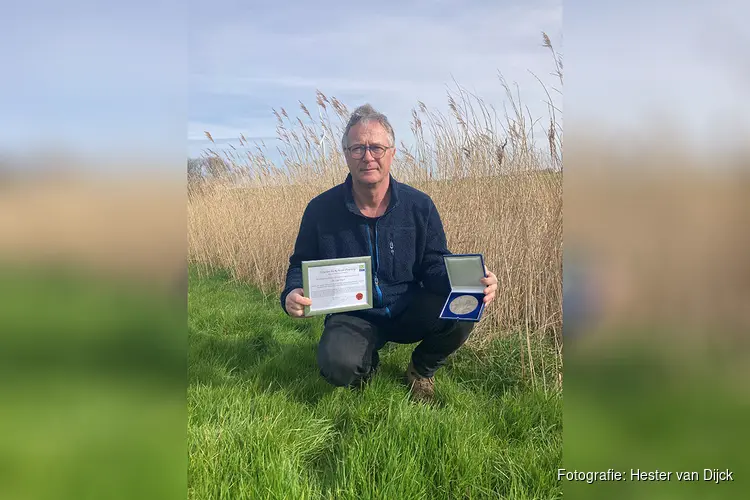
(422,388)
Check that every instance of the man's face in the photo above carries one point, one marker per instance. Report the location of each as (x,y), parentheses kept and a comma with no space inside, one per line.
(367,168)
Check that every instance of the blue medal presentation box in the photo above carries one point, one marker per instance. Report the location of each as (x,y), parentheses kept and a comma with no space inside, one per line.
(466,300)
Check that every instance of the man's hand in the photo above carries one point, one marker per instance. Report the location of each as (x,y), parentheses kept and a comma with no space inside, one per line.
(491,282)
(295,303)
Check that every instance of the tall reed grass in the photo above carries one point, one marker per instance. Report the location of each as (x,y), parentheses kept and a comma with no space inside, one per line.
(498,194)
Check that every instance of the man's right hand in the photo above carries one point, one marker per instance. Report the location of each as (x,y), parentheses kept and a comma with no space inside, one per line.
(296,302)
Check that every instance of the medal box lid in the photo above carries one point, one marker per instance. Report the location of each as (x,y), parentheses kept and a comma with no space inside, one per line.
(465,272)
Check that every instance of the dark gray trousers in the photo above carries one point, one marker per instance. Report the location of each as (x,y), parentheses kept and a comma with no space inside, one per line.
(348,348)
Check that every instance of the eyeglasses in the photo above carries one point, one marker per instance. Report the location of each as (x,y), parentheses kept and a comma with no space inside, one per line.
(376,150)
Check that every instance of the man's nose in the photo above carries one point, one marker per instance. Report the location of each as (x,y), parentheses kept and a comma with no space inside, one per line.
(368,152)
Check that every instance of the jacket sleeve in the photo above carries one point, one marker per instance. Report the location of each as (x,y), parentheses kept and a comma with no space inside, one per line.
(305,248)
(432,272)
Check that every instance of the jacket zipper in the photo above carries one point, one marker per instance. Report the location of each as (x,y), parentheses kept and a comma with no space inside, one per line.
(374,255)
(377,263)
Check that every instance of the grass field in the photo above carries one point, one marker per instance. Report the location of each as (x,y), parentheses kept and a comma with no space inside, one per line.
(92,377)
(262,423)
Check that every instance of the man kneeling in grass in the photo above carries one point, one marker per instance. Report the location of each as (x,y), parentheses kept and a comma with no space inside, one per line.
(372,214)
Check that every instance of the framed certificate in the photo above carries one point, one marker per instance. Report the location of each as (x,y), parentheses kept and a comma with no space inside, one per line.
(337,285)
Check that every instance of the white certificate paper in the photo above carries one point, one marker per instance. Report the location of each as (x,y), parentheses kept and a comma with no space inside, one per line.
(337,285)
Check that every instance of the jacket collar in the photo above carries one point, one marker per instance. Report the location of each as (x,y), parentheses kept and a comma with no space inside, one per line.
(349,197)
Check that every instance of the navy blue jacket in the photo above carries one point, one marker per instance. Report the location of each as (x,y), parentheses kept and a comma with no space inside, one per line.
(406,243)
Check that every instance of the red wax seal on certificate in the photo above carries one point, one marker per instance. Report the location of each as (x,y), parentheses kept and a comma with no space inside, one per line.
(359,296)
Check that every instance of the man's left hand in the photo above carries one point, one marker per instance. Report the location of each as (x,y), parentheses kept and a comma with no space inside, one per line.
(491,282)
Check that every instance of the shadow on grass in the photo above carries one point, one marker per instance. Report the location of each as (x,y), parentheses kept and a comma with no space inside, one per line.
(495,374)
(293,371)
(262,360)
(212,358)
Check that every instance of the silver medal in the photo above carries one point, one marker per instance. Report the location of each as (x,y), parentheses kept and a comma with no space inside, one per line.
(463,304)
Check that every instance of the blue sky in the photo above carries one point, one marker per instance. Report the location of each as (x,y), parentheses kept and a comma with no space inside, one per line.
(141,76)
(99,78)
(630,69)
(681,63)
(246,59)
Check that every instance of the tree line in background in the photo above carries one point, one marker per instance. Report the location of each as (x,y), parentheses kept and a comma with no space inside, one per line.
(204,168)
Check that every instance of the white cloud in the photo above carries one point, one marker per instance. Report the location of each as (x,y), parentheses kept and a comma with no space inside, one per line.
(656,61)
(220,131)
(391,59)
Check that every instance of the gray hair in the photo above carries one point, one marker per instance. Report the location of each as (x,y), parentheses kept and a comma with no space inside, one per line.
(367,114)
